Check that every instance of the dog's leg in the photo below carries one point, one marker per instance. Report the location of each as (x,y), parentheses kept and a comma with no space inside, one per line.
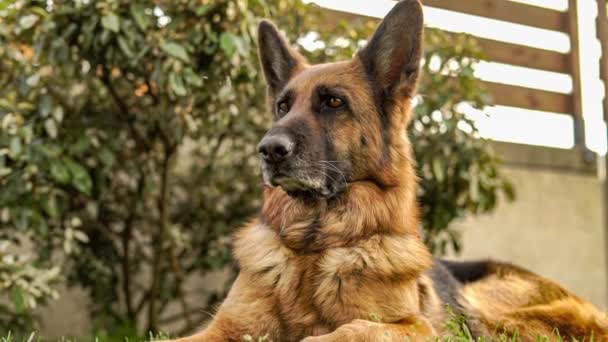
(247,310)
(414,327)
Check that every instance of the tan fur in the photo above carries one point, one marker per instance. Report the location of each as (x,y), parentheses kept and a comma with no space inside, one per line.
(518,302)
(353,267)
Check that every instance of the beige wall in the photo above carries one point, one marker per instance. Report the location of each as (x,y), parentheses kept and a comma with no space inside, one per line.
(66,317)
(555,228)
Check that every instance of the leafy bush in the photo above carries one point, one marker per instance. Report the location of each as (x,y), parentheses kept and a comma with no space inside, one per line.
(128,135)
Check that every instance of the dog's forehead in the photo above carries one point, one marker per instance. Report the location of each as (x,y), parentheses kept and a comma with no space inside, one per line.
(345,74)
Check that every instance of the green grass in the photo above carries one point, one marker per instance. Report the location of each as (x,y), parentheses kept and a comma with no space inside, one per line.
(459,332)
(34,337)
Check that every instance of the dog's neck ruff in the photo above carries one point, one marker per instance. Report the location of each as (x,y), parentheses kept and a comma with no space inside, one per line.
(366,236)
(360,212)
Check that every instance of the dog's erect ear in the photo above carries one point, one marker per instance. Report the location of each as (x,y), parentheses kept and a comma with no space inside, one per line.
(278,59)
(392,56)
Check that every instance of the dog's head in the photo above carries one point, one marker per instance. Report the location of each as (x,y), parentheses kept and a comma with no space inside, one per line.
(342,122)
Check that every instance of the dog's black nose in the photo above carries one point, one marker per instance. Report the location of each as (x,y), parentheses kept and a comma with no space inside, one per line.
(275,148)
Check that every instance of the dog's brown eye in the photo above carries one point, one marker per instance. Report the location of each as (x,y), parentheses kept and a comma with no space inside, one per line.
(335,102)
(283,108)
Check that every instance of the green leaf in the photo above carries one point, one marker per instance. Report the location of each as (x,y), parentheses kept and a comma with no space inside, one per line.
(4,4)
(5,104)
(175,50)
(107,157)
(58,114)
(49,204)
(474,187)
(15,147)
(45,105)
(80,177)
(438,169)
(111,22)
(18,299)
(59,171)
(227,43)
(50,126)
(32,81)
(192,78)
(139,15)
(27,21)
(508,190)
(124,47)
(177,84)
(202,10)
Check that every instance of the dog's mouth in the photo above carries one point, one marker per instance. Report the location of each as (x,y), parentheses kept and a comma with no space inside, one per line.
(303,181)
(300,187)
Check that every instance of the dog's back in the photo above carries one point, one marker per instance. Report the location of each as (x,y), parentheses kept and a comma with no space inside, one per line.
(499,297)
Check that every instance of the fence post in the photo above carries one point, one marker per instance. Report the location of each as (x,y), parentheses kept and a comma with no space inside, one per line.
(575,66)
(602,34)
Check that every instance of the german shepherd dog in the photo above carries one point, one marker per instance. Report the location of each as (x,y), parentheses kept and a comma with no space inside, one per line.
(335,254)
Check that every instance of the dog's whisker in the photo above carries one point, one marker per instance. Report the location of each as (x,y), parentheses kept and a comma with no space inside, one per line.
(335,168)
(333,161)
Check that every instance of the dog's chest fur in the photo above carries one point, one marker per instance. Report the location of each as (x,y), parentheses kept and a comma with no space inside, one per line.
(315,293)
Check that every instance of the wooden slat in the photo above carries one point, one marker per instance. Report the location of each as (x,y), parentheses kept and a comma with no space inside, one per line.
(514,96)
(331,17)
(496,51)
(526,56)
(507,11)
(602,34)
(511,54)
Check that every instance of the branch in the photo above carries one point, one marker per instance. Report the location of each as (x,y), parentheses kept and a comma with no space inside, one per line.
(179,280)
(159,238)
(142,302)
(151,92)
(123,109)
(126,236)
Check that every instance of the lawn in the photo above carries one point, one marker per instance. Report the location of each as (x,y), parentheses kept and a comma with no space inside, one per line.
(457,327)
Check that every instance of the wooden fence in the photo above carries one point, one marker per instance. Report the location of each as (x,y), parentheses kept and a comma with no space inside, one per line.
(602,35)
(520,55)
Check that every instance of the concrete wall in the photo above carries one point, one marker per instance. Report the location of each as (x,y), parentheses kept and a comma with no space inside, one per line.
(555,226)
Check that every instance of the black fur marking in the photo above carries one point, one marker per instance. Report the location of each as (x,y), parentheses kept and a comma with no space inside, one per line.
(380,94)
(312,231)
(363,141)
(380,102)
(468,271)
(277,60)
(392,57)
(446,286)
(337,174)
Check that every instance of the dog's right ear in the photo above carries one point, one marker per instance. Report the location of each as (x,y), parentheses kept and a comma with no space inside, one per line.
(392,56)
(279,61)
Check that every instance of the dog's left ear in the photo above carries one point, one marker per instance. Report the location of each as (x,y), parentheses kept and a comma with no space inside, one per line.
(392,56)
(278,59)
